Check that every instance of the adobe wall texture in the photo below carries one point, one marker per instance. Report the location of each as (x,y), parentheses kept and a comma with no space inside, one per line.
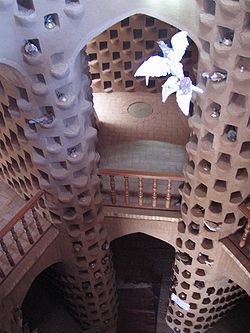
(58,155)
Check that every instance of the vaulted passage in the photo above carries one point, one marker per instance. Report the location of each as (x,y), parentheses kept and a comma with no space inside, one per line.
(43,307)
(143,272)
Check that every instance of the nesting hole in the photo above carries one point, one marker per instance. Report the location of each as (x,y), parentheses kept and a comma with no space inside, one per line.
(229,218)
(179,242)
(204,166)
(198,211)
(209,6)
(186,274)
(190,167)
(220,185)
(224,161)
(201,191)
(238,100)
(245,150)
(190,244)
(236,197)
(194,228)
(207,141)
(206,46)
(226,33)
(230,133)
(199,284)
(207,244)
(247,22)
(200,272)
(187,188)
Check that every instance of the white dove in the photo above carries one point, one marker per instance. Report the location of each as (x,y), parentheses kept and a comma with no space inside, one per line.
(157,66)
(183,88)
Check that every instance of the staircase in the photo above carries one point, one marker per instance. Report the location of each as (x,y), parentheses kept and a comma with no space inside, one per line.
(23,240)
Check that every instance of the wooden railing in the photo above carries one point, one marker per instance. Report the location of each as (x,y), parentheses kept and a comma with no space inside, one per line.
(20,234)
(140,189)
(243,208)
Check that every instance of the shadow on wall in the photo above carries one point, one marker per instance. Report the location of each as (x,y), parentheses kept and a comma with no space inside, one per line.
(43,307)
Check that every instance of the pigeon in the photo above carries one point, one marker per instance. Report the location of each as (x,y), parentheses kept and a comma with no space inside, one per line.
(204,259)
(183,88)
(45,120)
(212,226)
(157,66)
(184,257)
(49,22)
(30,48)
(215,76)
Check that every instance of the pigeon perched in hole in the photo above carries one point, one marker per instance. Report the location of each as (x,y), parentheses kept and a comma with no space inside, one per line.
(215,76)
(45,120)
(232,135)
(184,257)
(30,48)
(204,259)
(49,22)
(212,226)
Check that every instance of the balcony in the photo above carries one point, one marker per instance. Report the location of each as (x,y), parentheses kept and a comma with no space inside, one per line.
(141,189)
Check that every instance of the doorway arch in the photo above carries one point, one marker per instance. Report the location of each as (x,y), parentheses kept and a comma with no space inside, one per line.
(144,270)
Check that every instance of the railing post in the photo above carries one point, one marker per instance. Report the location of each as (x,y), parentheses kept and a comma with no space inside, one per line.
(36,218)
(243,208)
(18,243)
(112,188)
(154,193)
(126,186)
(26,228)
(168,194)
(140,191)
(245,234)
(8,256)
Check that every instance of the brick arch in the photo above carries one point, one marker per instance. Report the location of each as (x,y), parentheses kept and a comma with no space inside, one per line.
(181,14)
(117,229)
(146,234)
(18,293)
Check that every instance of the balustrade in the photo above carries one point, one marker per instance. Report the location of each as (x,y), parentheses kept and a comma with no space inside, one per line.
(140,189)
(244,238)
(20,234)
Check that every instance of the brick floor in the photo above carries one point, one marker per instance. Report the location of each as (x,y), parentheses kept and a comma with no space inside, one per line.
(166,123)
(126,142)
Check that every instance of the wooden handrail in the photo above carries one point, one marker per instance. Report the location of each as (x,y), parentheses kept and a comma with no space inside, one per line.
(20,213)
(143,174)
(136,198)
(243,208)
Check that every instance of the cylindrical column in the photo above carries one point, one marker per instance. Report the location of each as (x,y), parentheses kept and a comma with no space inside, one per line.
(216,176)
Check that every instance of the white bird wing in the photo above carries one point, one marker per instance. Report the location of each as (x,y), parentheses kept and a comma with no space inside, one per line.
(154,66)
(169,87)
(183,101)
(164,48)
(176,69)
(180,43)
